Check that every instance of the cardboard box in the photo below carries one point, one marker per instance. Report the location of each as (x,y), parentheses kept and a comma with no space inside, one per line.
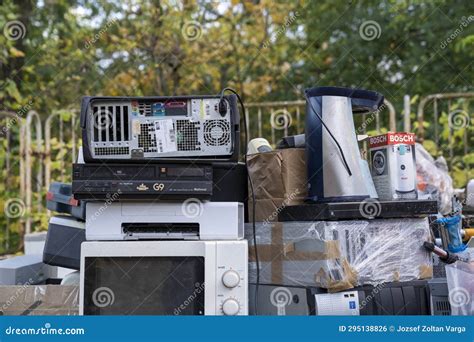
(279,180)
(35,300)
(339,255)
(393,166)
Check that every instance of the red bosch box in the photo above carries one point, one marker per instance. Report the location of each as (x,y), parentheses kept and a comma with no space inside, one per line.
(393,165)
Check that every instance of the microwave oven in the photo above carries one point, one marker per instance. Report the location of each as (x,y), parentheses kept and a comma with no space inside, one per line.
(164,278)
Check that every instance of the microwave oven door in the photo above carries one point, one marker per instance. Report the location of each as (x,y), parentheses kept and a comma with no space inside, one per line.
(152,278)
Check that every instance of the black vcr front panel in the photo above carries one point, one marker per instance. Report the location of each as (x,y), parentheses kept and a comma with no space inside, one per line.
(221,182)
(151,181)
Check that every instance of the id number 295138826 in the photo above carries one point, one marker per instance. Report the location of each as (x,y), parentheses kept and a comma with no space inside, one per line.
(362,328)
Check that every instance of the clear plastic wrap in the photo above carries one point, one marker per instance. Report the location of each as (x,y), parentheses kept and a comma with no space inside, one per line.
(36,300)
(460,277)
(340,255)
(433,179)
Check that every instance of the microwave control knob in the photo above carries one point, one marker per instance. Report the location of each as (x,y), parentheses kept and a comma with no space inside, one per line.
(230,279)
(230,307)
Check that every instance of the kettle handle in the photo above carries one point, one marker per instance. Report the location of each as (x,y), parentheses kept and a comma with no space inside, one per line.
(363,101)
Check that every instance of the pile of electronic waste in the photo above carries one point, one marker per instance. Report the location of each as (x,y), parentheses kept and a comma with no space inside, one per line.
(337,235)
(162,218)
(162,230)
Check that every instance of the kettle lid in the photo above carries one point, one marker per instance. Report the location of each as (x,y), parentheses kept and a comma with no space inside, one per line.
(363,101)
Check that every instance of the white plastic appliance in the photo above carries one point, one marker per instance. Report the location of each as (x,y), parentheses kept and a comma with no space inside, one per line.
(188,220)
(164,278)
(405,168)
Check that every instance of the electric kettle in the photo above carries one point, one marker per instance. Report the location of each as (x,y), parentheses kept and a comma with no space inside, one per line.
(336,170)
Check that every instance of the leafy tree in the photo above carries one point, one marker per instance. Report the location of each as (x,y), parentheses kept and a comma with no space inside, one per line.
(267,50)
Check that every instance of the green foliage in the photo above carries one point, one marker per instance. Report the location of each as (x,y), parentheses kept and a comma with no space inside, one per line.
(267,50)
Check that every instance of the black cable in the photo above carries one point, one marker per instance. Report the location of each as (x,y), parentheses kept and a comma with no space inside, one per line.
(222,107)
(332,136)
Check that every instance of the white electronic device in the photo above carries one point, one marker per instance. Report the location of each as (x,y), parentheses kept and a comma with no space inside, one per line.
(191,219)
(25,270)
(164,278)
(337,304)
(406,172)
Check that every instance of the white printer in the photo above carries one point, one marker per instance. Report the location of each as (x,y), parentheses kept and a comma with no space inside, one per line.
(187,220)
